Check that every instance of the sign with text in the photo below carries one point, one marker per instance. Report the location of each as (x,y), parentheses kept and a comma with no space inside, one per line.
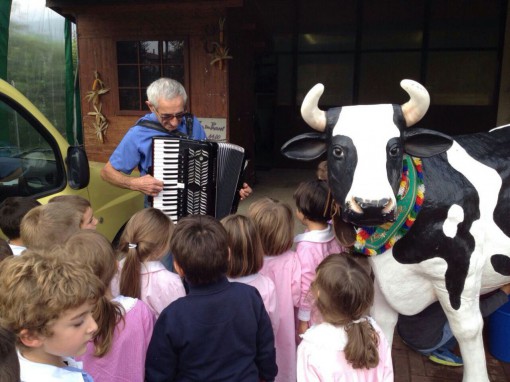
(215,128)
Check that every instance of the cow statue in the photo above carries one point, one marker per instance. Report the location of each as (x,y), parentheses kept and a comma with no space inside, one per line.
(432,211)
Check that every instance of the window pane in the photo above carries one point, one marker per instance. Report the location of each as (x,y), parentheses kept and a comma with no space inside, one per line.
(175,72)
(128,75)
(149,52)
(462,78)
(173,52)
(320,42)
(127,52)
(150,74)
(392,24)
(381,73)
(129,99)
(335,71)
(464,24)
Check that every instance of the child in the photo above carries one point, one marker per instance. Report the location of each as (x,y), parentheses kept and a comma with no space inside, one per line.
(5,250)
(246,260)
(48,225)
(12,211)
(347,346)
(317,242)
(220,331)
(9,364)
(275,224)
(145,240)
(88,220)
(322,170)
(47,302)
(124,322)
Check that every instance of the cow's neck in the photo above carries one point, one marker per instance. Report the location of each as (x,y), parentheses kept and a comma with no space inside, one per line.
(375,240)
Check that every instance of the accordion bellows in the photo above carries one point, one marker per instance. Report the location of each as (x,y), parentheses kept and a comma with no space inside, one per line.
(200,177)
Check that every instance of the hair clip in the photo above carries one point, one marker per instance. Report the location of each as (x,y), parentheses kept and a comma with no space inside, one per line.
(132,246)
(359,320)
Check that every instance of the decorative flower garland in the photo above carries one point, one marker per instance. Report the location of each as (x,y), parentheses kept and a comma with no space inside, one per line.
(373,241)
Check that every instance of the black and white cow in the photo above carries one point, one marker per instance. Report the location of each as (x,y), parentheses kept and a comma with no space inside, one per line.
(459,244)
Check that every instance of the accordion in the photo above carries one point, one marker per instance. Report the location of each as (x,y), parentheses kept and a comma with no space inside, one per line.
(200,177)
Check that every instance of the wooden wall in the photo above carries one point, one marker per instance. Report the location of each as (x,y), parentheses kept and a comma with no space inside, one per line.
(98,29)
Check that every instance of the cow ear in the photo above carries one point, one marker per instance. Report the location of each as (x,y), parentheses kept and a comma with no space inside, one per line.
(305,147)
(424,143)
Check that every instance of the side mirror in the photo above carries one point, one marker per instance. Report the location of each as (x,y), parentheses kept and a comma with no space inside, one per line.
(78,172)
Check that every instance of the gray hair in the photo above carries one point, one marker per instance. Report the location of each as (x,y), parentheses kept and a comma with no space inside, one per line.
(165,88)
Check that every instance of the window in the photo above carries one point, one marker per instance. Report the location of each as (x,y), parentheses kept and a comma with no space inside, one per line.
(141,62)
(30,163)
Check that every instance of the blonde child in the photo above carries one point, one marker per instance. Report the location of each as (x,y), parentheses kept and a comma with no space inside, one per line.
(48,302)
(123,322)
(12,211)
(48,225)
(275,224)
(144,242)
(348,345)
(88,220)
(313,210)
(246,260)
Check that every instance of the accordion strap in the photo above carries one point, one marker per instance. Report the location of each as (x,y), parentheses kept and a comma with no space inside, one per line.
(158,127)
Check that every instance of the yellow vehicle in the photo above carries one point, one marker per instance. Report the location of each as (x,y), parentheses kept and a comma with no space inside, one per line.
(36,161)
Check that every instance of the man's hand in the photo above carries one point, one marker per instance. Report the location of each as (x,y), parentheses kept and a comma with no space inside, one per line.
(245,191)
(147,184)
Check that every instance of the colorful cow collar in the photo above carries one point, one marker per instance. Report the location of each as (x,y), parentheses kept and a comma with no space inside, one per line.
(373,241)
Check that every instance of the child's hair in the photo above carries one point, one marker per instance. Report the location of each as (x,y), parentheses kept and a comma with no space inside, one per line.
(37,288)
(146,236)
(5,250)
(9,364)
(313,200)
(275,223)
(246,253)
(344,292)
(12,210)
(200,248)
(92,249)
(322,170)
(77,201)
(48,225)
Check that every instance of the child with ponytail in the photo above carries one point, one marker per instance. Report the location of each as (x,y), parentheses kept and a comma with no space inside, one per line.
(124,324)
(348,345)
(144,242)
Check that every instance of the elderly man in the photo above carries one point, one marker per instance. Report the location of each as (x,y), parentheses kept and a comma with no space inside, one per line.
(167,103)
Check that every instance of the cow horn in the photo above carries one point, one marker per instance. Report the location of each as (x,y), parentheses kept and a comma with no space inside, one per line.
(417,106)
(313,116)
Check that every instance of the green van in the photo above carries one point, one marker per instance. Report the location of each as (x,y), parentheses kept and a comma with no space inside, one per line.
(36,161)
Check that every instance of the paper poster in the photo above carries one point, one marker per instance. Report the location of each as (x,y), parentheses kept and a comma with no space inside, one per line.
(215,128)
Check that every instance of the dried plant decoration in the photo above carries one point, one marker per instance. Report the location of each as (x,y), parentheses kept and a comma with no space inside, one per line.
(100,123)
(220,52)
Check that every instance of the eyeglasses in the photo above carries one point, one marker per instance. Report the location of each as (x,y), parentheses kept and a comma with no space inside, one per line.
(169,117)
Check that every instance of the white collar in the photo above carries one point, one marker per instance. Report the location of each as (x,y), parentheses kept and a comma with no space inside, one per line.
(316,236)
(34,371)
(244,279)
(152,266)
(127,303)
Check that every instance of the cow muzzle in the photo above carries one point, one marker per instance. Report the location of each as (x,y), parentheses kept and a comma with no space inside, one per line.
(363,212)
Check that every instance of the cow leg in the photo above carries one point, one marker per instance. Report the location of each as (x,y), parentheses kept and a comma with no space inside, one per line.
(385,316)
(467,324)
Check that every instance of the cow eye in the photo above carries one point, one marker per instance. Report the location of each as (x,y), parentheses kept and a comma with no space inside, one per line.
(338,152)
(394,150)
